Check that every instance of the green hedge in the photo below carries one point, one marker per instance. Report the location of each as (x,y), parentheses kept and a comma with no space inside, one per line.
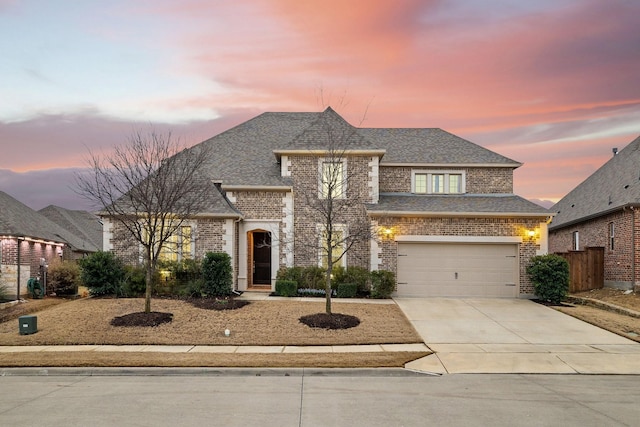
(383,283)
(347,290)
(217,274)
(550,277)
(286,288)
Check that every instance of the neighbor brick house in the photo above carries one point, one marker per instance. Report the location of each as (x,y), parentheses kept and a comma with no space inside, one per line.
(446,219)
(603,211)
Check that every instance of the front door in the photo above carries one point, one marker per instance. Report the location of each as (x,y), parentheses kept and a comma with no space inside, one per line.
(261,255)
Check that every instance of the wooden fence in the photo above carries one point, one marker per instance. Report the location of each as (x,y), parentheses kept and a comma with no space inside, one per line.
(586,269)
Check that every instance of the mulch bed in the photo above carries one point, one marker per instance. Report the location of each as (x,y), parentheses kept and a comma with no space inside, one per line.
(151,319)
(218,303)
(330,321)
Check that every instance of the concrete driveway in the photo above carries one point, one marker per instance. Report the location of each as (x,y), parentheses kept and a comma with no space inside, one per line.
(513,336)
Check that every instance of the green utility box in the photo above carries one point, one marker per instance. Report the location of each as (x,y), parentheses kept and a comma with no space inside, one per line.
(28,325)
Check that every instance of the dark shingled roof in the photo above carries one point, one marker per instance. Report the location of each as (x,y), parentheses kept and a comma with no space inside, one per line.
(83,230)
(19,220)
(615,185)
(486,204)
(431,146)
(244,155)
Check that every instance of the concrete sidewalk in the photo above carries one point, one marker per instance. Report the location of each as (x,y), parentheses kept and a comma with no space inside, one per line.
(370,348)
(513,336)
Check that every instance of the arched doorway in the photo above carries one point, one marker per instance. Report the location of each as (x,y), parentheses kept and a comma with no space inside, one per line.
(259,249)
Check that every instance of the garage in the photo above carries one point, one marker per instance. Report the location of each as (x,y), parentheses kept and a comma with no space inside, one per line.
(457,270)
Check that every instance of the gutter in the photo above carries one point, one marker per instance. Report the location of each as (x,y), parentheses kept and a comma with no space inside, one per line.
(452,165)
(593,216)
(459,214)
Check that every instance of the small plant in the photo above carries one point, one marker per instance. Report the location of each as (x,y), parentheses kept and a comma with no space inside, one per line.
(64,277)
(286,288)
(347,290)
(216,271)
(383,283)
(4,292)
(102,273)
(550,277)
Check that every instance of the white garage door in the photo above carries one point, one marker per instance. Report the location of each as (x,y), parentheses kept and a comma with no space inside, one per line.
(457,270)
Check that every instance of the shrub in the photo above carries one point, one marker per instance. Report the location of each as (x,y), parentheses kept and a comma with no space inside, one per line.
(63,277)
(216,272)
(550,277)
(135,281)
(383,283)
(360,276)
(347,290)
(102,273)
(313,278)
(286,288)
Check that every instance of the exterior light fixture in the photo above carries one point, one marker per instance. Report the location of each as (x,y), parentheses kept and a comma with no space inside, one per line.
(531,233)
(227,332)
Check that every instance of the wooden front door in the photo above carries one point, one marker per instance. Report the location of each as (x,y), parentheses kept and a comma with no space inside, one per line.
(261,257)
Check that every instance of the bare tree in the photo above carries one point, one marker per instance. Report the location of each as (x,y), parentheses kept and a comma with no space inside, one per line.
(336,206)
(149,186)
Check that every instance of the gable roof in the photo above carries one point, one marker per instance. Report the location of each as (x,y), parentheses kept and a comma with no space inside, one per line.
(82,229)
(19,220)
(244,155)
(612,187)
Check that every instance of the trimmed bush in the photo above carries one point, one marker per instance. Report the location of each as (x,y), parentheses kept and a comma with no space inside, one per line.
(286,288)
(102,273)
(217,274)
(550,277)
(63,277)
(360,276)
(4,292)
(383,283)
(313,278)
(347,290)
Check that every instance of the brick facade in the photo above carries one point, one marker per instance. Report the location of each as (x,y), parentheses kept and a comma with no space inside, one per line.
(31,254)
(619,269)
(418,226)
(310,210)
(397,179)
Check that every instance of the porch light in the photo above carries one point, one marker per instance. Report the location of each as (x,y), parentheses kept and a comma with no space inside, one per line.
(531,233)
(227,332)
(387,232)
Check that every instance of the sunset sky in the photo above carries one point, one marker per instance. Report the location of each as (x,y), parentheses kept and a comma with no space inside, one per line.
(554,84)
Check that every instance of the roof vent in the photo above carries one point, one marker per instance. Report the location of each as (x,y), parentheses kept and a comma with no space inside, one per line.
(615,150)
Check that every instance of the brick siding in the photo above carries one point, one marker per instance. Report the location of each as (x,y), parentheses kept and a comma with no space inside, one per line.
(460,227)
(618,263)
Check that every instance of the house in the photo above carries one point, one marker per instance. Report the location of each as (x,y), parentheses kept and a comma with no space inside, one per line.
(446,219)
(38,239)
(602,211)
(81,230)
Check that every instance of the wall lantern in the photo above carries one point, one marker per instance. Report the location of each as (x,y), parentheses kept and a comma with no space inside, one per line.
(386,232)
(531,234)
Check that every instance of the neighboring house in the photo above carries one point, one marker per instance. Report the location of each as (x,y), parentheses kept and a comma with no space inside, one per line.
(446,219)
(82,230)
(602,211)
(38,239)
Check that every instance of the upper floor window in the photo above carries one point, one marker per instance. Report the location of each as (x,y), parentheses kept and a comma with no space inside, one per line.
(576,241)
(612,235)
(438,182)
(332,183)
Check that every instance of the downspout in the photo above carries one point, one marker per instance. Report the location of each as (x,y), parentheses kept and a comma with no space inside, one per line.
(633,249)
(18,287)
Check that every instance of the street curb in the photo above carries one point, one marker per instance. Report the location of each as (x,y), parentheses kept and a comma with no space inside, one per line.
(211,372)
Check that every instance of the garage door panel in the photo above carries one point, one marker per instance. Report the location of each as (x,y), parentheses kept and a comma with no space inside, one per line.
(457,270)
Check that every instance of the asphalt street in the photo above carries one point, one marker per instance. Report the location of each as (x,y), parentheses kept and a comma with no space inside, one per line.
(311,397)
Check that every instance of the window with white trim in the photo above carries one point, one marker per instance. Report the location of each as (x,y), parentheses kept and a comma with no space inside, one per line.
(437,182)
(332,181)
(336,247)
(576,241)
